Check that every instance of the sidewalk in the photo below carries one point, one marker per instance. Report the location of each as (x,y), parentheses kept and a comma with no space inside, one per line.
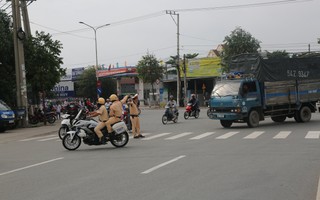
(39,130)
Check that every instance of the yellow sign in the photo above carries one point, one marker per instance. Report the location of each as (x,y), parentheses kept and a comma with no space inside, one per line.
(203,67)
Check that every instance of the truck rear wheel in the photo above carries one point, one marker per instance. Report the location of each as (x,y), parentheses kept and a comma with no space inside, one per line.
(305,114)
(279,119)
(226,123)
(253,119)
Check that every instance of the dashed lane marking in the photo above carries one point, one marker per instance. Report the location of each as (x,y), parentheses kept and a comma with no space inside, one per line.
(282,135)
(198,137)
(227,135)
(36,138)
(254,135)
(156,136)
(178,136)
(313,135)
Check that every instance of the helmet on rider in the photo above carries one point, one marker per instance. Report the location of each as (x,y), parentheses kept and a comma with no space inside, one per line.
(193,96)
(171,97)
(101,101)
(113,98)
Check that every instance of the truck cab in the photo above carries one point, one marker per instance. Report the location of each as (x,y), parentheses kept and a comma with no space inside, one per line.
(233,100)
(7,116)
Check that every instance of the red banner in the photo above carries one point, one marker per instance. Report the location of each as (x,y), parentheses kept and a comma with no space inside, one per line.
(115,71)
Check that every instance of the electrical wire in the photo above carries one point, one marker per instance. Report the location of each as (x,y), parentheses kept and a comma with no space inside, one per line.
(242,6)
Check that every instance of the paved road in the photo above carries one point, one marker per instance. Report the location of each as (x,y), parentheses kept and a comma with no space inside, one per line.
(193,159)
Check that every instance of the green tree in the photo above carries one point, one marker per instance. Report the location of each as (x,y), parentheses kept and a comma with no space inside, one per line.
(238,42)
(7,69)
(86,85)
(278,54)
(43,64)
(149,70)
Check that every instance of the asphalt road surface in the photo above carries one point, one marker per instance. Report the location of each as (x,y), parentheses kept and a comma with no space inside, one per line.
(195,159)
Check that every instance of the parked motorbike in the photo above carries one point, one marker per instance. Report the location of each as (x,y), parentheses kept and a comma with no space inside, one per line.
(170,115)
(68,121)
(191,113)
(40,117)
(84,129)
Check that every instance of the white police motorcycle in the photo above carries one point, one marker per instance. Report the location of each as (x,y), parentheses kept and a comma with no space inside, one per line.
(84,129)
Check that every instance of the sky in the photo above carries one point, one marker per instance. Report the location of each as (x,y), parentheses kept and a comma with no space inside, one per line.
(138,27)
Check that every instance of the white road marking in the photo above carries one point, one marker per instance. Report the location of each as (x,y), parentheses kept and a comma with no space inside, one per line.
(144,134)
(254,135)
(318,192)
(202,136)
(27,167)
(35,138)
(282,135)
(156,136)
(162,165)
(53,138)
(313,135)
(227,135)
(178,136)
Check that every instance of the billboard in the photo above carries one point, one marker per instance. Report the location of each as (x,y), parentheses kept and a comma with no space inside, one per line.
(76,72)
(203,67)
(64,89)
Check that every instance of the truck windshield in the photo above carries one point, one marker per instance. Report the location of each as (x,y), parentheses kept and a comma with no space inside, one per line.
(226,89)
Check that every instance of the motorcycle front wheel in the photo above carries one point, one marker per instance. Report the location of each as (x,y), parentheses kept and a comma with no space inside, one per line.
(164,119)
(33,120)
(62,132)
(197,113)
(186,115)
(120,140)
(51,119)
(71,144)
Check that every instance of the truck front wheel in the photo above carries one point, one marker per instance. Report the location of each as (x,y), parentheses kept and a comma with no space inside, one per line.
(226,123)
(253,119)
(305,114)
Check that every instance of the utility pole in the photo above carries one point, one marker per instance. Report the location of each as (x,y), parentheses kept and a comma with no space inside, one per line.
(25,16)
(184,79)
(18,37)
(172,12)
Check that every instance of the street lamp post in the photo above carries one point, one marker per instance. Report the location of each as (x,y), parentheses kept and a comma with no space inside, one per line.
(95,37)
(95,41)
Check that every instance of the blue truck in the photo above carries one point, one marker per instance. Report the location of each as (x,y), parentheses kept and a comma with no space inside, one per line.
(7,116)
(280,89)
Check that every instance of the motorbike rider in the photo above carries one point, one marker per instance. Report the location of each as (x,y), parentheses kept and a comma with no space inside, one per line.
(194,101)
(103,118)
(171,106)
(115,110)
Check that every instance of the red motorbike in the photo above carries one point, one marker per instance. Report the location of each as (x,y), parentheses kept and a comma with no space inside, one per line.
(191,112)
(40,117)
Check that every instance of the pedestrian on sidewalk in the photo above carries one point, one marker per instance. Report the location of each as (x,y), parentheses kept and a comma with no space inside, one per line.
(134,116)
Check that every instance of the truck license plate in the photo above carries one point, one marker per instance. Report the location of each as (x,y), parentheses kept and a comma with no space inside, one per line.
(220,115)
(11,121)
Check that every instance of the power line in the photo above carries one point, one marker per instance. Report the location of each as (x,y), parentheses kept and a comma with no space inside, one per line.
(60,32)
(243,5)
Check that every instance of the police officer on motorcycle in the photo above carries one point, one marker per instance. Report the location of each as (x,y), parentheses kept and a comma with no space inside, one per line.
(103,118)
(115,112)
